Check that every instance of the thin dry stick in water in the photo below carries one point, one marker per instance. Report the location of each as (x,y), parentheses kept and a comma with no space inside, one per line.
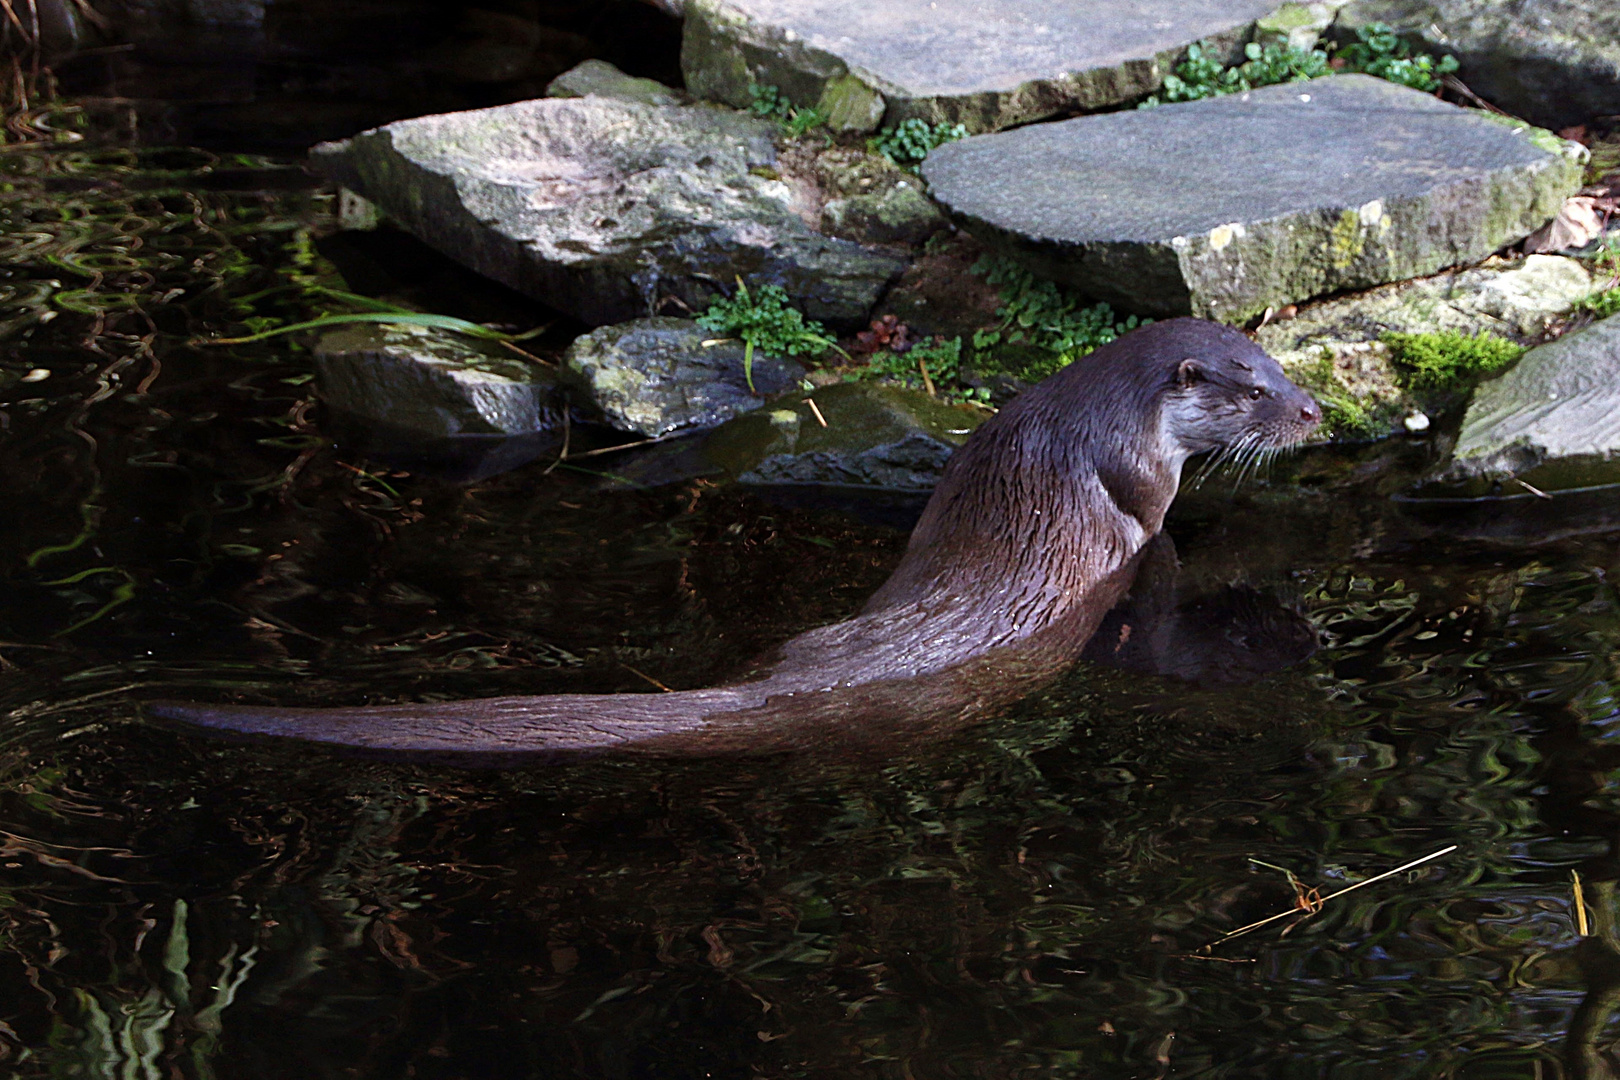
(676,434)
(1581,926)
(1330,896)
(822,420)
(563,456)
(646,676)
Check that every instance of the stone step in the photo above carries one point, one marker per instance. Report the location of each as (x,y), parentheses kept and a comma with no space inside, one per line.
(986,64)
(606,208)
(1224,207)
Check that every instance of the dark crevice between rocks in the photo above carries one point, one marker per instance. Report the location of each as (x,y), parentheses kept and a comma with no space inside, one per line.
(296,72)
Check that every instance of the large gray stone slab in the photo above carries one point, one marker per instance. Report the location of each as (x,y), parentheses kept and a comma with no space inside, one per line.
(987,64)
(656,376)
(1557,411)
(1553,62)
(1224,207)
(605,208)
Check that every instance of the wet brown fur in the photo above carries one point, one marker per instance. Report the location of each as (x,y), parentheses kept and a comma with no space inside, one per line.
(1030,538)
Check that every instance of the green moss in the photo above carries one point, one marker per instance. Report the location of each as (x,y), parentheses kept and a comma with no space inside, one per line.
(1345,243)
(1541,137)
(1606,262)
(1602,304)
(1449,359)
(1603,159)
(1343,415)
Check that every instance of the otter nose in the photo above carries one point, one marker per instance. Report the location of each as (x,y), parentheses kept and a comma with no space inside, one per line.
(1310,412)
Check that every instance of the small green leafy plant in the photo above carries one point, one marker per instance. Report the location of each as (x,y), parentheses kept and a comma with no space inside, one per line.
(1443,360)
(1277,63)
(1037,313)
(908,143)
(765,320)
(1379,51)
(769,102)
(934,365)
(1201,75)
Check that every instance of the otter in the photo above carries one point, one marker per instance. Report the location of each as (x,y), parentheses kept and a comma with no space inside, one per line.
(1029,540)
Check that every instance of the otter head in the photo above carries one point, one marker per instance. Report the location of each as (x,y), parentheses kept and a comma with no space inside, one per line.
(1230,397)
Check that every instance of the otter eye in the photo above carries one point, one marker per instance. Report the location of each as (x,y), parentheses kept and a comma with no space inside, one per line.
(1255,394)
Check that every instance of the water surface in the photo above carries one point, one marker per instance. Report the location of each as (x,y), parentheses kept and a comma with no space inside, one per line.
(1031,897)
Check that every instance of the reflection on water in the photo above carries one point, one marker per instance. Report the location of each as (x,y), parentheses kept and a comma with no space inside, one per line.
(1027,898)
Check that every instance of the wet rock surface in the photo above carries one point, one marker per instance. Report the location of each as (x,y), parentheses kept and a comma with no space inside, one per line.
(1224,207)
(1554,417)
(655,376)
(1333,347)
(984,65)
(606,209)
(432,384)
(1554,62)
(875,436)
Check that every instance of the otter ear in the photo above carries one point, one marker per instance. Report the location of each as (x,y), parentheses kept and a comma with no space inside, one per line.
(1189,371)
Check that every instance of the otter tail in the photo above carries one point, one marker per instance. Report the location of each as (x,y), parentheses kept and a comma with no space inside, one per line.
(490,730)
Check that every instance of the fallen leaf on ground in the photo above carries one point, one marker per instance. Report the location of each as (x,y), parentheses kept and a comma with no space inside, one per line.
(1576,225)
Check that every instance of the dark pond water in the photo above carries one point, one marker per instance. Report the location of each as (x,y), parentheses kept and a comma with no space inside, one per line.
(1031,897)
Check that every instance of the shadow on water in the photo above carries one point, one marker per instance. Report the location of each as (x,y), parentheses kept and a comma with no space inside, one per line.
(1030,897)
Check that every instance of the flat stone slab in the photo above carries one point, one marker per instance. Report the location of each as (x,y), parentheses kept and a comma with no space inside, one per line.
(432,383)
(1555,415)
(1224,207)
(987,64)
(606,208)
(1553,62)
(656,376)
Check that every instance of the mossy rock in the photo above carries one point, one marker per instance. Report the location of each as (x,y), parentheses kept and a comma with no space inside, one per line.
(875,436)
(660,375)
(432,383)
